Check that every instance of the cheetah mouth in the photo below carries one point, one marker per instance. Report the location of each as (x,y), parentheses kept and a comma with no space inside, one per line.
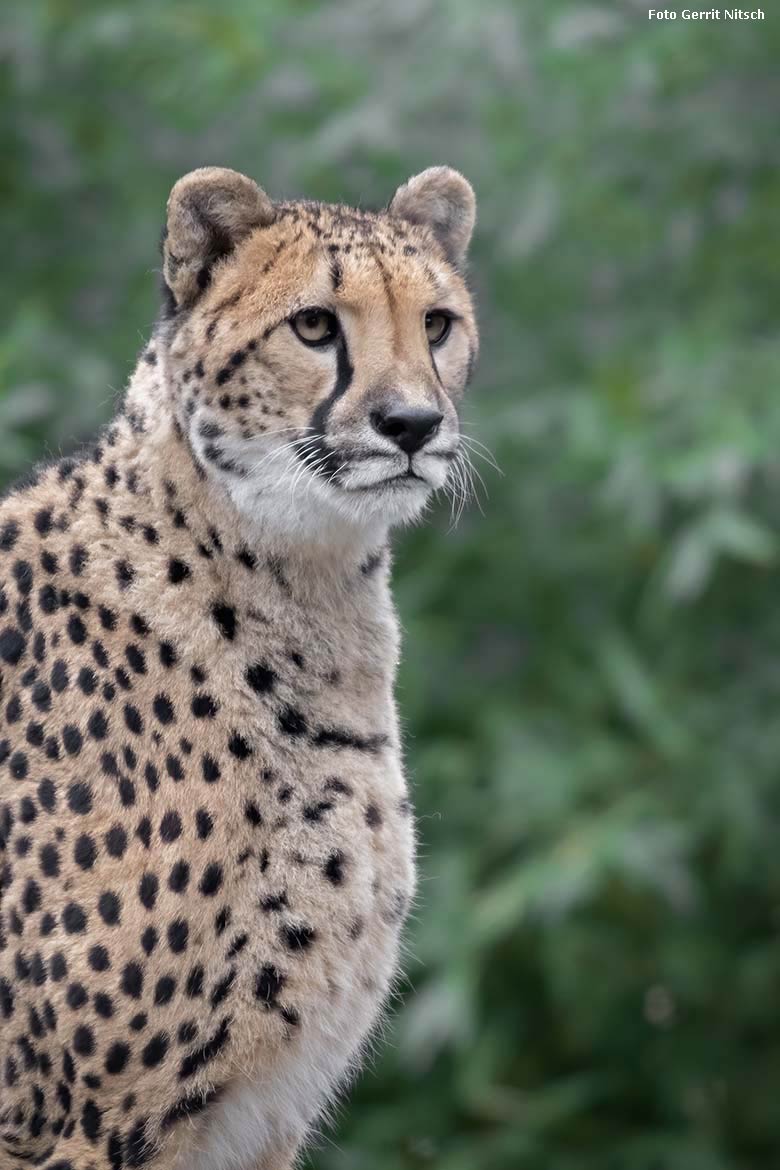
(404,479)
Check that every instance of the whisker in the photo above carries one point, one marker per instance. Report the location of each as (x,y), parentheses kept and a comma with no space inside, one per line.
(472,471)
(485,453)
(295,444)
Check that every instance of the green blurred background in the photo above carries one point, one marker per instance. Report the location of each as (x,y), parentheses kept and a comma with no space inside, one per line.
(591,683)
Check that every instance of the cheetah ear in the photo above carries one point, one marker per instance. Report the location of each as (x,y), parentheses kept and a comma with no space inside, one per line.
(209,211)
(442,200)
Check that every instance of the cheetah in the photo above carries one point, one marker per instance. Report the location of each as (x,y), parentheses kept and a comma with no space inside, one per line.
(207,840)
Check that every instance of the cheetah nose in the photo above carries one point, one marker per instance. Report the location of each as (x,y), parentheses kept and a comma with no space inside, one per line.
(409,427)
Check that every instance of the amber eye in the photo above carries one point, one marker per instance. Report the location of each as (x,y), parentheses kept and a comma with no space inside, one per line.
(315,326)
(437,326)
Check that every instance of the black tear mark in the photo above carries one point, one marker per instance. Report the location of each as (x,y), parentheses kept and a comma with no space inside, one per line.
(318,452)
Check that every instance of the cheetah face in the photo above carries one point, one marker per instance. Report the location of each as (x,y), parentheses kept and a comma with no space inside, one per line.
(318,353)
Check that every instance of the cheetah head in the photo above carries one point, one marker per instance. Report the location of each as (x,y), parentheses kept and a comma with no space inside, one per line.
(316,353)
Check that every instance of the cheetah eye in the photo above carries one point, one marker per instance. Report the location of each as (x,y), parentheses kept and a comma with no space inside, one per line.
(437,326)
(315,326)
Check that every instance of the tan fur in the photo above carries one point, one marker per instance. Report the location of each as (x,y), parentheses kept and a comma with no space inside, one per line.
(207,839)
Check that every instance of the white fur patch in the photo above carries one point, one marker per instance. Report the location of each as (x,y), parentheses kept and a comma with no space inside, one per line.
(262,1113)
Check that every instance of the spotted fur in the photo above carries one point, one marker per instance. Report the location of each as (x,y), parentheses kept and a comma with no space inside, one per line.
(207,842)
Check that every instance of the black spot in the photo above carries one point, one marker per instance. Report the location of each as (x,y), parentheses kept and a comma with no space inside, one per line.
(133,980)
(59,676)
(179,877)
(168,655)
(334,868)
(107,617)
(84,1040)
(50,861)
(98,958)
(72,739)
(18,765)
(373,816)
(194,987)
(223,989)
(211,771)
(133,719)
(225,618)
(48,598)
(127,796)
(260,677)
(237,945)
(372,563)
(253,814)
(211,880)
(246,558)
(109,907)
(191,1105)
(178,935)
(80,798)
(315,812)
(178,571)
(222,920)
(136,658)
(297,936)
(204,1055)
(124,574)
(77,631)
(165,990)
(273,903)
(74,919)
(41,696)
(104,1005)
(163,709)
(204,706)
(170,826)
(9,534)
(116,1058)
(12,645)
(97,725)
(147,890)
(85,851)
(340,737)
(23,575)
(43,521)
(292,721)
(239,747)
(268,985)
(31,899)
(204,823)
(116,841)
(155,1051)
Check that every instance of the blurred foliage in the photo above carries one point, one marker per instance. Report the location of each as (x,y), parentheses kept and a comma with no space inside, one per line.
(591,683)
